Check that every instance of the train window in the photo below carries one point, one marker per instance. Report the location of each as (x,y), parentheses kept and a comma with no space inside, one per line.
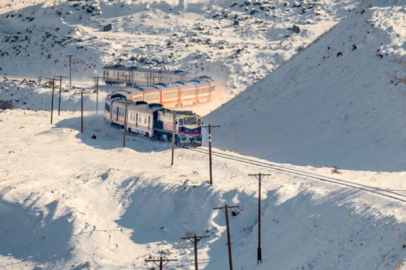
(199,122)
(181,122)
(149,119)
(190,121)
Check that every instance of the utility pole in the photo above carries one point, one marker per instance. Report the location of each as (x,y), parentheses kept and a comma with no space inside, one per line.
(60,93)
(173,136)
(96,78)
(210,128)
(259,250)
(195,239)
(225,209)
(52,100)
(81,110)
(125,122)
(161,261)
(70,69)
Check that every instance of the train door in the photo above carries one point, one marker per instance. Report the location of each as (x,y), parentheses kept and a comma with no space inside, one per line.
(136,120)
(118,108)
(149,121)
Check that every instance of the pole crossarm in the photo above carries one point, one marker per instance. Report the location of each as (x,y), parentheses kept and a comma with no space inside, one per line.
(60,76)
(226,207)
(161,262)
(193,237)
(258,175)
(210,126)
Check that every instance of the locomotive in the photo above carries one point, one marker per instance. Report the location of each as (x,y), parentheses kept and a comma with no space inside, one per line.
(153,120)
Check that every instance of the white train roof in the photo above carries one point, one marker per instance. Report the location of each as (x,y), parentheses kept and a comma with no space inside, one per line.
(199,81)
(141,106)
(147,70)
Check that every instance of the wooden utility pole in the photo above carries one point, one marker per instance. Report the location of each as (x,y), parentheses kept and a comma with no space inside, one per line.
(225,209)
(70,69)
(125,122)
(81,111)
(161,263)
(195,239)
(173,136)
(259,250)
(52,100)
(96,78)
(210,128)
(60,92)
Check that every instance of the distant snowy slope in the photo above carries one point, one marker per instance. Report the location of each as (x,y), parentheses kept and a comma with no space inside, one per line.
(334,104)
(236,42)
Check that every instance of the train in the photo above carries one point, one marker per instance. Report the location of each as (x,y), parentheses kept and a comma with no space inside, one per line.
(178,94)
(139,76)
(153,120)
(168,92)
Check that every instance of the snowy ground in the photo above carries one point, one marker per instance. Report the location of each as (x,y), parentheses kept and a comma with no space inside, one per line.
(69,201)
(73,202)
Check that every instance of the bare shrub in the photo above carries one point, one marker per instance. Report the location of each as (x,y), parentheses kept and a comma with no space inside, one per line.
(402,65)
(6,105)
(335,170)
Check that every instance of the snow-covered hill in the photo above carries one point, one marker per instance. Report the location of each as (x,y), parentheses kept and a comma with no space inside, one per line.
(235,42)
(335,104)
(82,201)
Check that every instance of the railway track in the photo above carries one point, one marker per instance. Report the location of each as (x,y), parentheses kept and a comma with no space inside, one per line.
(388,193)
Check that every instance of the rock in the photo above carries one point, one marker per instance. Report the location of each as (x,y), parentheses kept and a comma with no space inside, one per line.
(296,29)
(297,5)
(108,27)
(236,23)
(247,3)
(94,137)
